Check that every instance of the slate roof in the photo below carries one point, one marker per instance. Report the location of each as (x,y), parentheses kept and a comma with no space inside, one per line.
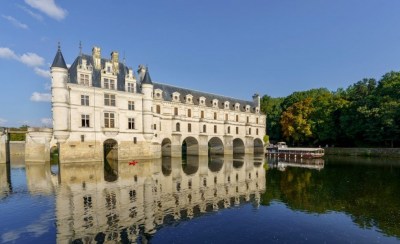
(167,89)
(96,74)
(59,60)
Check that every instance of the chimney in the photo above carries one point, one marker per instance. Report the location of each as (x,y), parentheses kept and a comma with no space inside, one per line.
(141,71)
(256,100)
(114,57)
(96,53)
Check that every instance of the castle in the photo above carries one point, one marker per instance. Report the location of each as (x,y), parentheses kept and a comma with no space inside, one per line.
(101,107)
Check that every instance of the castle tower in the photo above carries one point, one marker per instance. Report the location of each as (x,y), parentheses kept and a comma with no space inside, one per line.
(60,98)
(147,90)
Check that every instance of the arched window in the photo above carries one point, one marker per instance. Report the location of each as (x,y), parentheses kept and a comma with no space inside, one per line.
(178,127)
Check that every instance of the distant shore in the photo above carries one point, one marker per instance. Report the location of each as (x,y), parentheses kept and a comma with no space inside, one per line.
(364,152)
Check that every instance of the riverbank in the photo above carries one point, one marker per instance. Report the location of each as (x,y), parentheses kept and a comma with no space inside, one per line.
(364,152)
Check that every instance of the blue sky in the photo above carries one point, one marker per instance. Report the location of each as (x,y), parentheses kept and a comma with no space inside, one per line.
(228,47)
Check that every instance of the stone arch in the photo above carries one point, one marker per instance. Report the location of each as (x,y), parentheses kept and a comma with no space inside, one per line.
(190,164)
(110,150)
(166,147)
(238,146)
(258,146)
(215,146)
(190,146)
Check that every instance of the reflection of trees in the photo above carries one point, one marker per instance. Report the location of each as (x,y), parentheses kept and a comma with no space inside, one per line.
(368,193)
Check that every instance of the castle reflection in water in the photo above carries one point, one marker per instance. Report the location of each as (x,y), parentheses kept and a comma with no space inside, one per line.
(143,197)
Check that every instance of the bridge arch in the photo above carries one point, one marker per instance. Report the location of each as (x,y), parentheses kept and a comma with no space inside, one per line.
(166,147)
(258,146)
(238,146)
(215,146)
(166,166)
(215,164)
(190,146)
(110,150)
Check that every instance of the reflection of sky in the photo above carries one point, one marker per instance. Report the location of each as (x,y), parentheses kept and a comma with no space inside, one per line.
(22,215)
(269,224)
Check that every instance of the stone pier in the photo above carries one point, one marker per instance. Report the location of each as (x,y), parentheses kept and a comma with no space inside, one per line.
(37,147)
(4,146)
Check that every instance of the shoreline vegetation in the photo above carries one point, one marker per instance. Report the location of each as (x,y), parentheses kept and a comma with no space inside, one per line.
(365,115)
(364,152)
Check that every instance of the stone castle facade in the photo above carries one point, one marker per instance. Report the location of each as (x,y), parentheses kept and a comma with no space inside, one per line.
(100,103)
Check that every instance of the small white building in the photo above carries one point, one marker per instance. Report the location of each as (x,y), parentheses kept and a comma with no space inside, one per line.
(101,107)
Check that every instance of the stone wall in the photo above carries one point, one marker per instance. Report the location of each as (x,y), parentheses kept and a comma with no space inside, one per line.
(367,152)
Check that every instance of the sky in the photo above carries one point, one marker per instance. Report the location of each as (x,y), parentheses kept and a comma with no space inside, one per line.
(230,47)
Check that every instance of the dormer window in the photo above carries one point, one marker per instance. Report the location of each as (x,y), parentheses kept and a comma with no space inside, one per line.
(247,108)
(130,87)
(158,93)
(237,106)
(202,101)
(226,105)
(215,103)
(189,98)
(257,110)
(109,84)
(175,96)
(108,69)
(84,79)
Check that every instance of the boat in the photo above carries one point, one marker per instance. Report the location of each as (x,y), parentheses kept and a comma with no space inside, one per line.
(281,150)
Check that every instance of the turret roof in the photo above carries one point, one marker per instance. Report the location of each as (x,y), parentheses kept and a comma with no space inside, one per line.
(59,60)
(146,78)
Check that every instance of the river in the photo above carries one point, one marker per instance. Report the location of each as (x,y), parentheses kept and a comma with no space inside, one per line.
(199,200)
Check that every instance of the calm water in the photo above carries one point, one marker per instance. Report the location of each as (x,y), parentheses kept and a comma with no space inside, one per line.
(223,200)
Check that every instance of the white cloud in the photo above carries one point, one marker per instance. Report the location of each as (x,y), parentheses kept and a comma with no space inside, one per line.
(15,22)
(48,7)
(42,72)
(32,59)
(41,97)
(3,121)
(5,52)
(47,122)
(31,13)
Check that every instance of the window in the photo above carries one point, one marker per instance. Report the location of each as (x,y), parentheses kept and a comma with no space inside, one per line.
(109,100)
(84,79)
(108,69)
(256,120)
(237,118)
(109,120)
(237,130)
(257,132)
(155,126)
(84,100)
(82,138)
(189,127)
(189,113)
(131,105)
(226,117)
(109,84)
(85,122)
(215,115)
(204,128)
(249,131)
(131,123)
(178,127)
(202,114)
(229,129)
(175,111)
(131,87)
(158,109)
(247,119)
(134,140)
(215,129)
